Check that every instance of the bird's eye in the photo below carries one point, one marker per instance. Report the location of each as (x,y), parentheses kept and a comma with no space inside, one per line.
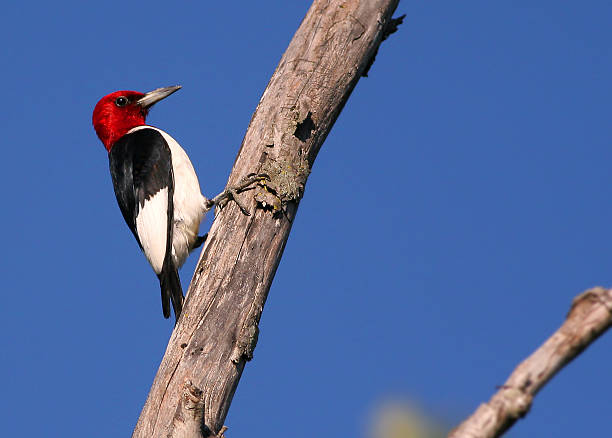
(121,101)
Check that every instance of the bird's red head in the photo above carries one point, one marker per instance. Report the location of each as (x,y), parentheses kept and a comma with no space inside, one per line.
(116,113)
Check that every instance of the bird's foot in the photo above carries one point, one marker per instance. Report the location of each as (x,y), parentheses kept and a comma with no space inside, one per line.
(231,193)
(199,241)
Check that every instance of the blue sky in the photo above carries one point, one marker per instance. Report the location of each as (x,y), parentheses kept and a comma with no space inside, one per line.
(461,201)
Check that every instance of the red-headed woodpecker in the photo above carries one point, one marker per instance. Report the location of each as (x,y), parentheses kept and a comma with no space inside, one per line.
(156,187)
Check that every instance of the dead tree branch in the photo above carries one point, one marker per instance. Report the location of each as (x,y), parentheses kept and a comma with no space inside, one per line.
(589,317)
(217,331)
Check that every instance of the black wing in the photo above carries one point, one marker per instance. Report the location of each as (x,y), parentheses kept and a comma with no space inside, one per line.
(141,166)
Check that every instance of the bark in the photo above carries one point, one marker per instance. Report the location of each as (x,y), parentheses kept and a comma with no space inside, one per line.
(589,317)
(217,331)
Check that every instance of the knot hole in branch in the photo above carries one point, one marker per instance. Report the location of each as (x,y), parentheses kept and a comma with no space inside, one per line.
(304,129)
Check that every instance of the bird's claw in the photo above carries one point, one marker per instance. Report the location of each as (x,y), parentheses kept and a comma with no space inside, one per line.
(232,195)
(222,199)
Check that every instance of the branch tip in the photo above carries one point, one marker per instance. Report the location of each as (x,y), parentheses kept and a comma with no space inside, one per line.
(589,317)
(390,27)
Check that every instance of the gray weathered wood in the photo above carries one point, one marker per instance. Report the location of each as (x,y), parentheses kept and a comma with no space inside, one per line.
(217,331)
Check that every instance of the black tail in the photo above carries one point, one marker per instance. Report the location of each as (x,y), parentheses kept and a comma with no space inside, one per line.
(171,289)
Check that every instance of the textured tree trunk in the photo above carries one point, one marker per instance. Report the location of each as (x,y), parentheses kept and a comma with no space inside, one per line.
(334,46)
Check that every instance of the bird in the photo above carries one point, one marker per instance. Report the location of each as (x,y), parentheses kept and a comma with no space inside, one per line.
(155,184)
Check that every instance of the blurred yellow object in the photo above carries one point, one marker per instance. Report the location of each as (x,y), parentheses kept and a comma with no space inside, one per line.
(404,420)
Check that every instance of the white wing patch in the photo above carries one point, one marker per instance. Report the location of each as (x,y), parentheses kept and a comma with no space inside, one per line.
(152,228)
(188,203)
